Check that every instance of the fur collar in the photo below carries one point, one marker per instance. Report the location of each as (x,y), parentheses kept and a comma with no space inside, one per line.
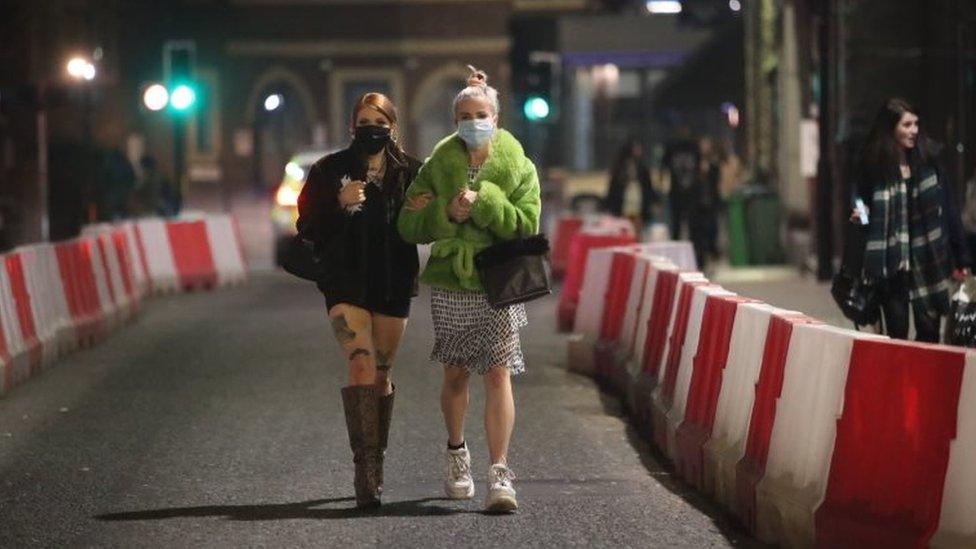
(502,167)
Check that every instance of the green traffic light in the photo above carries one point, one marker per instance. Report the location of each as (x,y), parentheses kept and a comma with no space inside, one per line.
(536,108)
(183,97)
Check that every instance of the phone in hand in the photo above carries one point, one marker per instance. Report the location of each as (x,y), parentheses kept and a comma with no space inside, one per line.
(862,211)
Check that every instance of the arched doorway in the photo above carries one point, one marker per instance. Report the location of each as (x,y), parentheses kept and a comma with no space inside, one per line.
(282,116)
(431,112)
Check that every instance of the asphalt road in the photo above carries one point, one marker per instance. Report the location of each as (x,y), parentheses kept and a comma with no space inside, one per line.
(215,421)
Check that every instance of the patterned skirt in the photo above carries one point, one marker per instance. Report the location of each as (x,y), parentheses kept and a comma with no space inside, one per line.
(468,333)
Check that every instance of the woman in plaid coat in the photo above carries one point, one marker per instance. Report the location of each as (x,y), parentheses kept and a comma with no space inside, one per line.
(915,242)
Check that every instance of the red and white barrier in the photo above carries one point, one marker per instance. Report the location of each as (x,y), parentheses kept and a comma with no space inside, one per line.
(152,238)
(662,397)
(57,297)
(11,346)
(736,398)
(46,313)
(565,228)
(590,313)
(580,246)
(626,369)
(705,384)
(226,247)
(803,433)
(812,435)
(957,520)
(675,415)
(617,293)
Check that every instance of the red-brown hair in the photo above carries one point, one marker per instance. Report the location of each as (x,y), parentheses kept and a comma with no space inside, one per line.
(376,101)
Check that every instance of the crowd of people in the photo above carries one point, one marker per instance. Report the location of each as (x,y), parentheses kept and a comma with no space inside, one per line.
(122,190)
(693,175)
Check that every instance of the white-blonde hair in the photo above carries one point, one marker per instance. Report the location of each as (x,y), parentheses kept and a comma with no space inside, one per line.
(477,88)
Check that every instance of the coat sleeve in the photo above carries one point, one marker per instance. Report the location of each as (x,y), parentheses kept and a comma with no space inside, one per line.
(961,255)
(319,215)
(431,223)
(501,213)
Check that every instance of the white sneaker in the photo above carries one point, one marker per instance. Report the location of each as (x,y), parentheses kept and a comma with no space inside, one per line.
(501,492)
(459,484)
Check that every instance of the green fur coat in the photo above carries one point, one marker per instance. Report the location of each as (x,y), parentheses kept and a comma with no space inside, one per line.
(508,194)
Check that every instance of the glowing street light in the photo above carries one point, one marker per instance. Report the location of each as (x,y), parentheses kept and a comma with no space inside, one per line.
(664,6)
(273,101)
(80,68)
(735,5)
(155,98)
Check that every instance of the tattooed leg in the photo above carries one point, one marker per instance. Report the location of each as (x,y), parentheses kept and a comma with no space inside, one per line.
(353,329)
(358,353)
(342,331)
(384,363)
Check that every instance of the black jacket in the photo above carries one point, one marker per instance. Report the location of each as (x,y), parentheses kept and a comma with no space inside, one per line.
(619,178)
(362,255)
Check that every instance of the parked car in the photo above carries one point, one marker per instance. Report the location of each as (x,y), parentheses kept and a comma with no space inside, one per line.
(284,212)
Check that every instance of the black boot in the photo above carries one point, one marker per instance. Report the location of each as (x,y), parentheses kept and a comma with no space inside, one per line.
(362,405)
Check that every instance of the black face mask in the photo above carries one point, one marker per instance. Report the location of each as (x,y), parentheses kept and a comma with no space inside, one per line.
(371,139)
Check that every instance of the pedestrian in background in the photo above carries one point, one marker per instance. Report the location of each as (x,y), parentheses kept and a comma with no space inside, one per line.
(704,203)
(348,210)
(628,169)
(477,188)
(149,196)
(915,241)
(115,183)
(681,160)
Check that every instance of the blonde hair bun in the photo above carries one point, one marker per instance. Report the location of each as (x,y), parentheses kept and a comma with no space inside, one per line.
(477,77)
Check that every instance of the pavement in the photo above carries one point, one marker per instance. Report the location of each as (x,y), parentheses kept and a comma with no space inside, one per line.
(215,420)
(785,287)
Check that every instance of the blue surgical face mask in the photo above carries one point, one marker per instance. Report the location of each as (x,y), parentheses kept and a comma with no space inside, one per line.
(476,133)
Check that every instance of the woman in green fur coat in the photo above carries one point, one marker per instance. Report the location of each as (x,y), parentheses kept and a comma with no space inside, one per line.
(477,188)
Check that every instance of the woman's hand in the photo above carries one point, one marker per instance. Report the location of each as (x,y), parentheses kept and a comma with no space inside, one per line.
(353,193)
(458,210)
(960,275)
(467,197)
(419,202)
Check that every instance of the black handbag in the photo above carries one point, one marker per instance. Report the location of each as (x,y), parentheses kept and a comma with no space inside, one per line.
(857,298)
(296,257)
(514,271)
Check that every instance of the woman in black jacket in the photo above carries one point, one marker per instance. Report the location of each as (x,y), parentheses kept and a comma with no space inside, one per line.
(367,272)
(915,243)
(627,168)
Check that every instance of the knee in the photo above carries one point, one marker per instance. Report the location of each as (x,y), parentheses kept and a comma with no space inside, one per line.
(497,378)
(456,382)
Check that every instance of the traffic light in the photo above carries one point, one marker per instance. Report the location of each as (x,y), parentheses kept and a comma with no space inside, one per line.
(541,99)
(536,108)
(179,74)
(183,97)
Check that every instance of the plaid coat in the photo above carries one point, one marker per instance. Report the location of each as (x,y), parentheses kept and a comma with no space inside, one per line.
(936,242)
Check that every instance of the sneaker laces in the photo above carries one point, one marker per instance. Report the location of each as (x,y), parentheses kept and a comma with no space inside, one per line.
(500,474)
(460,468)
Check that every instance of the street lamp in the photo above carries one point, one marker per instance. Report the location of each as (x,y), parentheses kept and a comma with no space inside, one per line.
(156,97)
(667,7)
(273,101)
(81,68)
